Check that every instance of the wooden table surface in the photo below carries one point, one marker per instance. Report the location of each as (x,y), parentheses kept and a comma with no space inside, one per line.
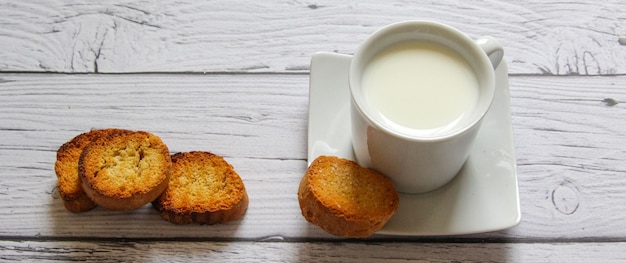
(232,77)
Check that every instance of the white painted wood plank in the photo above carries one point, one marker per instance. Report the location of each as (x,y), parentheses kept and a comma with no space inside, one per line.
(308,252)
(570,149)
(568,136)
(545,37)
(189,111)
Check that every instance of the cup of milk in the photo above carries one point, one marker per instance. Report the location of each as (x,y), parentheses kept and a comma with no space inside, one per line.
(420,90)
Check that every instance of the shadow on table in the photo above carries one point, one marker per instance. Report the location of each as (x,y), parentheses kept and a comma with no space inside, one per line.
(140,224)
(382,251)
(379,248)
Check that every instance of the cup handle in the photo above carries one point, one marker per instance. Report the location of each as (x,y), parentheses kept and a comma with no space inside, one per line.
(492,47)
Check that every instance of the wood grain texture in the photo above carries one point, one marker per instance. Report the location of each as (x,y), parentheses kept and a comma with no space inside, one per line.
(568,142)
(559,38)
(150,251)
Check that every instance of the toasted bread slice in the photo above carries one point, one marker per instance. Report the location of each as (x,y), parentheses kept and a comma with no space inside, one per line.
(125,171)
(66,169)
(345,199)
(203,189)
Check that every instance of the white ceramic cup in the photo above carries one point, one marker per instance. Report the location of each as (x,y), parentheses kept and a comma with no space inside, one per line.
(418,163)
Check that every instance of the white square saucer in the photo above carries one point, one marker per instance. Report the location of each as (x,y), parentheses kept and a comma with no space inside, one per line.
(483,197)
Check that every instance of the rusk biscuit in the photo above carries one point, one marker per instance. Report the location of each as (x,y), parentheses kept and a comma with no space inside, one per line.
(203,189)
(66,168)
(345,199)
(125,171)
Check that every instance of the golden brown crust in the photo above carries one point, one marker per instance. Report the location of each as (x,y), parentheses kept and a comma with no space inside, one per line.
(66,168)
(124,171)
(346,199)
(203,189)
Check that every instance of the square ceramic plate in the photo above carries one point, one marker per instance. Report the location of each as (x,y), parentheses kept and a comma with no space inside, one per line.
(482,198)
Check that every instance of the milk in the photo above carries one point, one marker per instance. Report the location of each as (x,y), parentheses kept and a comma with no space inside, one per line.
(420,88)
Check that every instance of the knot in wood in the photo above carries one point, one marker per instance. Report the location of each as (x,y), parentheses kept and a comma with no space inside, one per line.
(565,198)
